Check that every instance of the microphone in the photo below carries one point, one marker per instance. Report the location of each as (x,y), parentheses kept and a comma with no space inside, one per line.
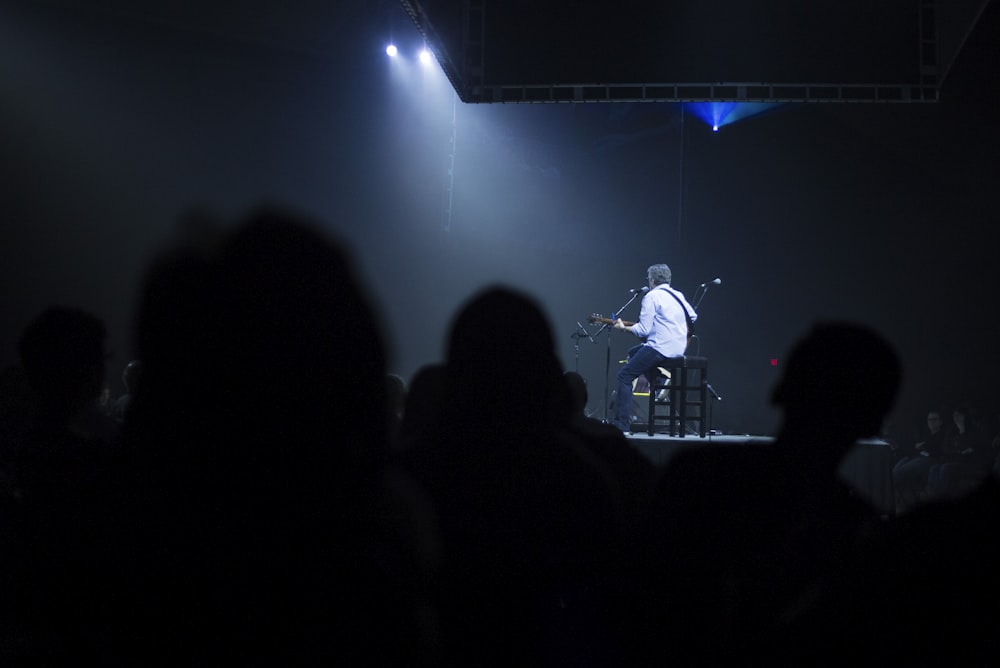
(715,395)
(714,281)
(635,290)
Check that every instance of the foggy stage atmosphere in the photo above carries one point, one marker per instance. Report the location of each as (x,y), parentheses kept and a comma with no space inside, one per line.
(118,121)
(338,333)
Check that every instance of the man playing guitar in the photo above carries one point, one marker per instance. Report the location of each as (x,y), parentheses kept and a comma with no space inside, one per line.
(666,321)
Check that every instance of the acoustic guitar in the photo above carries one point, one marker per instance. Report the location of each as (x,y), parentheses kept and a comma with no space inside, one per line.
(600,319)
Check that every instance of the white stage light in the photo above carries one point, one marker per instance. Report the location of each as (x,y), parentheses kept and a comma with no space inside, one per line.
(391,50)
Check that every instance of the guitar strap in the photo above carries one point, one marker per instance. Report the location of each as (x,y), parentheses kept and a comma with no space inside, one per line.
(687,316)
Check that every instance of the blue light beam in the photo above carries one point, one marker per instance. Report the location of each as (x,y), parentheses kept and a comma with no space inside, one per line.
(719,114)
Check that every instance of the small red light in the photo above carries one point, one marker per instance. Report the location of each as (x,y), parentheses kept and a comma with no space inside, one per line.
(774,361)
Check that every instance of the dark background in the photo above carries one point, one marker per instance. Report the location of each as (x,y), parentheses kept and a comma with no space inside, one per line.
(117,117)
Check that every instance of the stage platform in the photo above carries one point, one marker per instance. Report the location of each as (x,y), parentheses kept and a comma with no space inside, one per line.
(659,447)
(867,468)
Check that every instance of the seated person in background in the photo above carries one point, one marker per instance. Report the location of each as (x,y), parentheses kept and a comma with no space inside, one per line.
(967,457)
(909,475)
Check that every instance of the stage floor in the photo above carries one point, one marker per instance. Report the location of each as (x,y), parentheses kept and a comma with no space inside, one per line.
(659,447)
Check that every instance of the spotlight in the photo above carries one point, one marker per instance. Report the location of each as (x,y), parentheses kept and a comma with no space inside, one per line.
(719,114)
(425,57)
(391,50)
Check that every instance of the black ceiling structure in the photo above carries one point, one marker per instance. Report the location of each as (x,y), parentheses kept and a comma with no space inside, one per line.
(520,51)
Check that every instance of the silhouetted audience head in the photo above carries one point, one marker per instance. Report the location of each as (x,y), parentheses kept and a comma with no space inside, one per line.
(578,391)
(265,332)
(395,393)
(63,355)
(131,375)
(395,389)
(424,400)
(264,520)
(531,519)
(841,380)
(501,354)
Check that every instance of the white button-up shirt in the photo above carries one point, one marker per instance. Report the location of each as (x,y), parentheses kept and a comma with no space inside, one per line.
(662,321)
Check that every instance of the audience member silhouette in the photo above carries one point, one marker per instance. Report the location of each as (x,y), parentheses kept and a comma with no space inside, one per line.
(423,404)
(131,375)
(395,389)
(909,474)
(744,541)
(255,520)
(994,432)
(104,401)
(531,520)
(635,473)
(17,410)
(63,352)
(53,477)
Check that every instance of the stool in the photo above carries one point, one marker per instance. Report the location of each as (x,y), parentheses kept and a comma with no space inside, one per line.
(686,388)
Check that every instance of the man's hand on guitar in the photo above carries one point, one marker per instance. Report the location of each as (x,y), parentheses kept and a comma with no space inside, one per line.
(620,324)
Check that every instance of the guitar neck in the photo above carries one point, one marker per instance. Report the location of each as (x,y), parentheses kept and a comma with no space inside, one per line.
(608,321)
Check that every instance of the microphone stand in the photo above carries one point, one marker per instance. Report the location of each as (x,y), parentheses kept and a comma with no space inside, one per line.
(703,288)
(607,359)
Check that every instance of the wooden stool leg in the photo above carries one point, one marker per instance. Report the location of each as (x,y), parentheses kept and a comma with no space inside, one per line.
(703,411)
(684,402)
(675,399)
(651,419)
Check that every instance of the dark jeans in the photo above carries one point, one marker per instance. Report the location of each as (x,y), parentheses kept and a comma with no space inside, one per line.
(946,480)
(642,360)
(909,478)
